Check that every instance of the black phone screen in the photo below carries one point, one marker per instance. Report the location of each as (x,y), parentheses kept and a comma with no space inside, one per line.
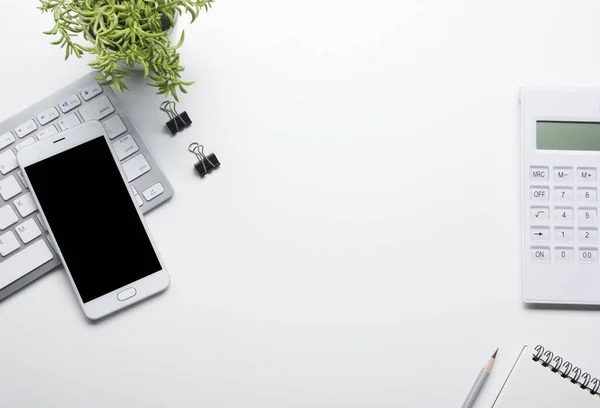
(93,218)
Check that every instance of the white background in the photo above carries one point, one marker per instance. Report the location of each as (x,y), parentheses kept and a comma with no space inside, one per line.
(360,245)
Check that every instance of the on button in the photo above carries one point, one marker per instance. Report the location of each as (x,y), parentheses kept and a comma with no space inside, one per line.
(126,294)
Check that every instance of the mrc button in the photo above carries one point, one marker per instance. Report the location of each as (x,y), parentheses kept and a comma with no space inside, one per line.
(126,294)
(538,173)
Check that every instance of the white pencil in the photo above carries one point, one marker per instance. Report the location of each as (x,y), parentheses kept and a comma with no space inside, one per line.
(483,375)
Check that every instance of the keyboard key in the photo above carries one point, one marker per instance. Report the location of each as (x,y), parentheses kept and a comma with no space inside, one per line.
(26,142)
(587,195)
(587,235)
(153,191)
(24,262)
(540,234)
(135,167)
(588,255)
(562,174)
(563,254)
(563,194)
(114,127)
(90,91)
(42,223)
(125,147)
(6,140)
(7,217)
(8,162)
(562,214)
(26,128)
(8,244)
(48,116)
(49,131)
(70,103)
(586,174)
(540,214)
(25,204)
(539,194)
(563,235)
(539,254)
(9,187)
(96,110)
(28,231)
(588,216)
(69,121)
(538,173)
(22,178)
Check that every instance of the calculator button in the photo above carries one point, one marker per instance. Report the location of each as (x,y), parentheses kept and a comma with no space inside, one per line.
(586,174)
(562,174)
(562,214)
(539,254)
(540,234)
(587,235)
(539,194)
(588,255)
(587,195)
(563,254)
(587,215)
(538,173)
(563,194)
(540,214)
(563,235)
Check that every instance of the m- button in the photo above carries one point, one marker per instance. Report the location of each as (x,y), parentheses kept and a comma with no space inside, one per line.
(539,194)
(564,174)
(538,173)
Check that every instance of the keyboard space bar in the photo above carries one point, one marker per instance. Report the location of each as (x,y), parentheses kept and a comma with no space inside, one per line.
(24,262)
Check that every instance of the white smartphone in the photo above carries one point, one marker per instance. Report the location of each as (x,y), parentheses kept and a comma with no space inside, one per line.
(93,219)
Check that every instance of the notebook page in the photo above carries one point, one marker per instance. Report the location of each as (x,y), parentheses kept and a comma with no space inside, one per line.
(531,385)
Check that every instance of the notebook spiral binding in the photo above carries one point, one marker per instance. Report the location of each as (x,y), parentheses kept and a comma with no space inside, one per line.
(567,370)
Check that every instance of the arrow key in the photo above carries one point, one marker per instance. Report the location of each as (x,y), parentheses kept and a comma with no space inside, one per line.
(540,234)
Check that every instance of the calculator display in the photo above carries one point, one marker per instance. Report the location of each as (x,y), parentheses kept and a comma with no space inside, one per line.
(582,136)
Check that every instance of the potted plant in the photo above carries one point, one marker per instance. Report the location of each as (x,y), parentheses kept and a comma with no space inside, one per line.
(125,35)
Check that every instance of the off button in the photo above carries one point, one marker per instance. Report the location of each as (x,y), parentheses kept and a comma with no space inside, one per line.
(126,294)
(539,194)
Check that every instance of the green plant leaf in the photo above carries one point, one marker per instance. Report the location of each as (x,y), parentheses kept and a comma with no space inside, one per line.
(129,31)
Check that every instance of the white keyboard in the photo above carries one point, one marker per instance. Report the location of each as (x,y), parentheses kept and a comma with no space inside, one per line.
(26,252)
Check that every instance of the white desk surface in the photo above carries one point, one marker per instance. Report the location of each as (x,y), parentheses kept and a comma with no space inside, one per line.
(359,246)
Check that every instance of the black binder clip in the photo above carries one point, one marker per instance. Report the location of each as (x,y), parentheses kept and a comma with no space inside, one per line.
(176,121)
(205,163)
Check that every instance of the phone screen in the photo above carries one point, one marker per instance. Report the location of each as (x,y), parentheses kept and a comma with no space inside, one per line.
(93,218)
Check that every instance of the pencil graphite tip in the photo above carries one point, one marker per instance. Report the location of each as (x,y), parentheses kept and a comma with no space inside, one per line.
(495,352)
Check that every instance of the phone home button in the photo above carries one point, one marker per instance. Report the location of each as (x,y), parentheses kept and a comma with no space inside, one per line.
(126,294)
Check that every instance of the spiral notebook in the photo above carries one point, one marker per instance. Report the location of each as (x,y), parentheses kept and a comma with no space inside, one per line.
(540,379)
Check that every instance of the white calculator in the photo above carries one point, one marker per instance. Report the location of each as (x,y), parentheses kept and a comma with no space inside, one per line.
(561,159)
